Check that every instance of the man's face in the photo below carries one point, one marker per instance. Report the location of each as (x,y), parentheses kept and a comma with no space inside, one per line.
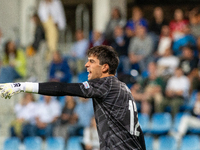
(94,68)
(140,31)
(187,53)
(178,73)
(178,15)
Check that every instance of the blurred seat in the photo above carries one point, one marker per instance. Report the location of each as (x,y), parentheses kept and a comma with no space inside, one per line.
(74,143)
(189,104)
(11,143)
(167,143)
(55,143)
(33,143)
(144,122)
(149,142)
(194,130)
(161,123)
(190,142)
(177,119)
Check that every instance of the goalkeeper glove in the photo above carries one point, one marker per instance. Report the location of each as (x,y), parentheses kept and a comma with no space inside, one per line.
(7,90)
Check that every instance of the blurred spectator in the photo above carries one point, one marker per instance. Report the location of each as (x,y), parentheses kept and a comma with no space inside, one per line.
(78,50)
(97,39)
(190,121)
(52,15)
(59,69)
(128,32)
(46,115)
(22,126)
(195,82)
(177,25)
(35,52)
(115,20)
(153,89)
(158,21)
(66,117)
(82,119)
(156,25)
(194,20)
(2,42)
(188,61)
(120,44)
(149,91)
(39,35)
(137,19)
(198,46)
(140,49)
(167,63)
(137,93)
(165,41)
(90,136)
(177,90)
(186,39)
(14,63)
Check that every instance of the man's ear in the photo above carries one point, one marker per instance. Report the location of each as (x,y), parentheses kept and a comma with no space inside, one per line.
(105,68)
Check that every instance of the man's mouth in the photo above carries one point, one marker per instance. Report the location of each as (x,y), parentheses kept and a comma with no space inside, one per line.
(89,73)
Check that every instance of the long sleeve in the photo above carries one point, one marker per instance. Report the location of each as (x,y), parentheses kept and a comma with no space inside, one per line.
(60,89)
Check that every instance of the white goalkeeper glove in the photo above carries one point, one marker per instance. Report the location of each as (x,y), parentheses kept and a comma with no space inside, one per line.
(7,90)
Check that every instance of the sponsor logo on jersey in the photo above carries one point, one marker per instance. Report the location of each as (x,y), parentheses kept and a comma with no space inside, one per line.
(86,85)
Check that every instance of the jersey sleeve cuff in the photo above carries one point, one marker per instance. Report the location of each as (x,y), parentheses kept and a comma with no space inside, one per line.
(31,87)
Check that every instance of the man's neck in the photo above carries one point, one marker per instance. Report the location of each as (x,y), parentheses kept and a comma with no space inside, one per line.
(106,75)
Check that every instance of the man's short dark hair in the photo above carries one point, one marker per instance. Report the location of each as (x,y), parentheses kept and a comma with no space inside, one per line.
(106,55)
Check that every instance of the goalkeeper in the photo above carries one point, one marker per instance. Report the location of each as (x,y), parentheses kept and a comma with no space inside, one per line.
(114,107)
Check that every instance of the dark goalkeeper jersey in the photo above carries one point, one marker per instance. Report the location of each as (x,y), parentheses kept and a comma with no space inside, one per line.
(114,108)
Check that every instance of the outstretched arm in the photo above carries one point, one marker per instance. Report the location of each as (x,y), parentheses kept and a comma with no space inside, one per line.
(49,88)
(60,89)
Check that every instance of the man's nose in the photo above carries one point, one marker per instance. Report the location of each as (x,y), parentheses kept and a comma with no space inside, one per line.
(86,65)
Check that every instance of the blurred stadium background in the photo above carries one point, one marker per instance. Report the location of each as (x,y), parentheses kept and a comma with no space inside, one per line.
(16,24)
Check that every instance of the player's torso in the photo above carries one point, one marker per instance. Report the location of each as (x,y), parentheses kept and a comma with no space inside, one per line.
(116,118)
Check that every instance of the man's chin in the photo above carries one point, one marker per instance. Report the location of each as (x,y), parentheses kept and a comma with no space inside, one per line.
(89,78)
